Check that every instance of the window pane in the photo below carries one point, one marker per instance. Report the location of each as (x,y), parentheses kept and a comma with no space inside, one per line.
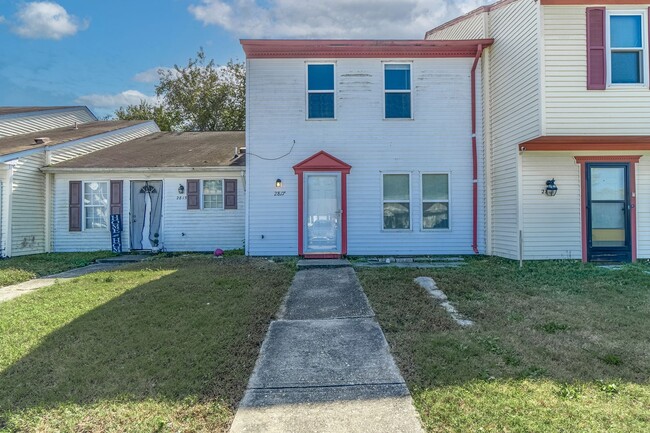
(96,193)
(607,183)
(396,187)
(212,194)
(435,187)
(396,216)
(320,77)
(397,77)
(321,105)
(435,215)
(626,67)
(398,105)
(625,31)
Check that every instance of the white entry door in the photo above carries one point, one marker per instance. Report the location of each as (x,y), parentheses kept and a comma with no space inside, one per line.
(323,212)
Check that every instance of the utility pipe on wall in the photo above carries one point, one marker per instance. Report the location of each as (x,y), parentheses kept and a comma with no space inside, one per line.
(479,52)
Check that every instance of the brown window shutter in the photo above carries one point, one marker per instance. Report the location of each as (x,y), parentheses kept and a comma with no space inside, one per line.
(116,197)
(596,51)
(116,200)
(74,208)
(193,194)
(230,194)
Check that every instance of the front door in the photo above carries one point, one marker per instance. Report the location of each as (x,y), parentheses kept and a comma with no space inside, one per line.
(146,208)
(608,212)
(322,213)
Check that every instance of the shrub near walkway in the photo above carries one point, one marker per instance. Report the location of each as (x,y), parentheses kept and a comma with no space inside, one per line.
(18,269)
(558,346)
(166,345)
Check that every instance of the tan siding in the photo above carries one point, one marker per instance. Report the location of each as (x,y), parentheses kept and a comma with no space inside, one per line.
(40,121)
(515,114)
(470,28)
(570,107)
(28,206)
(643,207)
(552,225)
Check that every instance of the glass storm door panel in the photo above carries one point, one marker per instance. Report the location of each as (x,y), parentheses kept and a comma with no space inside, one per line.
(608,212)
(322,213)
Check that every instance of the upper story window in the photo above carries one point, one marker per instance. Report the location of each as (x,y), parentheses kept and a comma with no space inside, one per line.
(397,88)
(626,48)
(320,91)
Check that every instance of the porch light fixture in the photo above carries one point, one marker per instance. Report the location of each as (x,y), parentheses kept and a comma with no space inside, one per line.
(551,188)
(278,183)
(181,189)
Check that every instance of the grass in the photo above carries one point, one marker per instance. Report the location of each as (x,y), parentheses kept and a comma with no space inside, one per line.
(18,269)
(558,346)
(160,346)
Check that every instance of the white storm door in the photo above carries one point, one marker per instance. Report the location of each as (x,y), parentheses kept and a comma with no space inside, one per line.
(322,210)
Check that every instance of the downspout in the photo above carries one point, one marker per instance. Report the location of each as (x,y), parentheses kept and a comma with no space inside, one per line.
(479,52)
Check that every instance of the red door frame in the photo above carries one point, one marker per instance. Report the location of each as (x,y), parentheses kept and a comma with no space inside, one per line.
(322,162)
(632,160)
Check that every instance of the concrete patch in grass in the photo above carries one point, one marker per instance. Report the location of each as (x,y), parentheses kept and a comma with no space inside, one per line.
(430,286)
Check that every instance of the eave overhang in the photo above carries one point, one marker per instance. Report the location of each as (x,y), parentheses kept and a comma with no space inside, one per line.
(578,143)
(341,48)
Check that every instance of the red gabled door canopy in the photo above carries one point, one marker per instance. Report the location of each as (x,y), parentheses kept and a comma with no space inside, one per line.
(322,161)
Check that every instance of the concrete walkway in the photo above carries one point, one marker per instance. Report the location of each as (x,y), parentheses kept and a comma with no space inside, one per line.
(325,365)
(16,290)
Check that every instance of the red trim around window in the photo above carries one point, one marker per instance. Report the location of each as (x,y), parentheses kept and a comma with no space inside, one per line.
(583,160)
(320,162)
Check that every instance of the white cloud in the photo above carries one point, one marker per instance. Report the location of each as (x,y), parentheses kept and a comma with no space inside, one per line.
(151,75)
(46,20)
(128,97)
(2,19)
(330,18)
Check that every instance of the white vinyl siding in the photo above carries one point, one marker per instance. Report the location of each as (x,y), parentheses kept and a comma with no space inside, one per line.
(24,123)
(571,109)
(28,225)
(643,206)
(180,230)
(438,140)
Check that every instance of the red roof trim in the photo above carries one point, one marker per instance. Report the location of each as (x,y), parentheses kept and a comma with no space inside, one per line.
(322,161)
(586,143)
(341,48)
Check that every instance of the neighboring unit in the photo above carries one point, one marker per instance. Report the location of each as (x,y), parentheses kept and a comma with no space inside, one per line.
(363,148)
(566,102)
(173,191)
(23,120)
(26,192)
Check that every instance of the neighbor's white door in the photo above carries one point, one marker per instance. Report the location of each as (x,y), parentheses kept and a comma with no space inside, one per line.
(322,210)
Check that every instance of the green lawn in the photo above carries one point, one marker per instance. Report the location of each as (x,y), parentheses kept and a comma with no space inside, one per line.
(558,346)
(166,346)
(18,269)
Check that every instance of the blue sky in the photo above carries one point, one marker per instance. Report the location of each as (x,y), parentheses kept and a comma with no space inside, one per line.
(104,53)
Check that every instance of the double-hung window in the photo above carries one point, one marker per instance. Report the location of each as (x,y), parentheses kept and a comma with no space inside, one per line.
(320,91)
(95,205)
(213,194)
(626,48)
(397,91)
(396,201)
(435,201)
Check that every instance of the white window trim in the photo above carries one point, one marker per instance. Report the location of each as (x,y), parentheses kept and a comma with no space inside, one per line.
(422,201)
(83,205)
(644,47)
(223,195)
(410,91)
(308,92)
(382,201)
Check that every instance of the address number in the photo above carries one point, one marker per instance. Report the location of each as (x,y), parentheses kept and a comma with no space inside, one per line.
(279,193)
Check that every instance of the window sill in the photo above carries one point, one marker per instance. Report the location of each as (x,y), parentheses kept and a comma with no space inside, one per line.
(622,86)
(397,230)
(397,119)
(321,119)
